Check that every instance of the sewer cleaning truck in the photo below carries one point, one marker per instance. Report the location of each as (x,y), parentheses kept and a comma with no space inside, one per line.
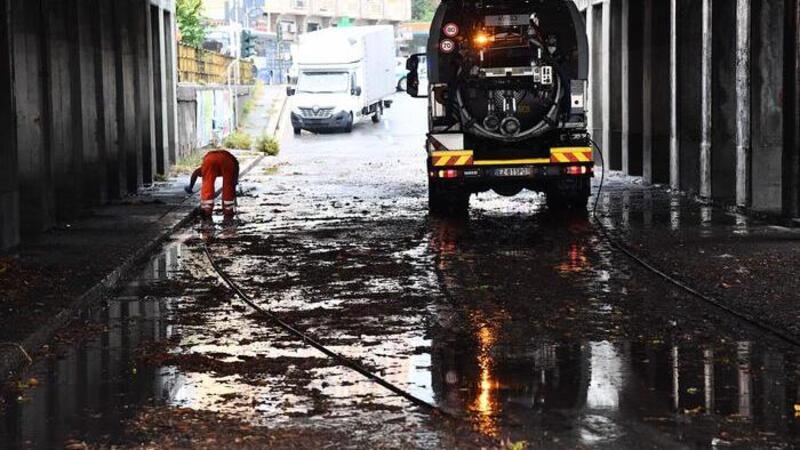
(345,75)
(506,89)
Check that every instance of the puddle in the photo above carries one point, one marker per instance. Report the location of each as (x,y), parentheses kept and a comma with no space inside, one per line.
(513,372)
(91,387)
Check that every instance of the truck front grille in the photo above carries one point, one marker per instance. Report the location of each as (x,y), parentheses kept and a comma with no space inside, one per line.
(320,113)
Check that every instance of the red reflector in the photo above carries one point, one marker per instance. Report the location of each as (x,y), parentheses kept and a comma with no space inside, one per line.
(449,173)
(576,170)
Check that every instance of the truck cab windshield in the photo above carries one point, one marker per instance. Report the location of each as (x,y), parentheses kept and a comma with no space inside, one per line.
(323,82)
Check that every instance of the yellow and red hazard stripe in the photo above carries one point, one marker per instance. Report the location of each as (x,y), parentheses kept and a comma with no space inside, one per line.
(571,155)
(452,158)
(559,155)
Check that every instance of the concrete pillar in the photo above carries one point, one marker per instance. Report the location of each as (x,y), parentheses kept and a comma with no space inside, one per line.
(596,83)
(171,72)
(146,103)
(9,193)
(87,120)
(674,130)
(631,86)
(37,208)
(130,156)
(706,98)
(768,21)
(136,13)
(60,67)
(743,169)
(604,76)
(791,148)
(655,93)
(612,86)
(160,91)
(107,102)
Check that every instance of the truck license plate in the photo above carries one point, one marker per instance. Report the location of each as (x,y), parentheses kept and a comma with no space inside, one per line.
(512,172)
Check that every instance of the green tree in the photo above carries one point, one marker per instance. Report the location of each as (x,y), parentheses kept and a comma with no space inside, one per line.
(423,10)
(190,22)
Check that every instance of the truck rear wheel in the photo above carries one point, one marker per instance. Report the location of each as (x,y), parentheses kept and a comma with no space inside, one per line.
(447,200)
(297,131)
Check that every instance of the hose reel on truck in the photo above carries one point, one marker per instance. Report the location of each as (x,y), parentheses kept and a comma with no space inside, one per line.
(511,71)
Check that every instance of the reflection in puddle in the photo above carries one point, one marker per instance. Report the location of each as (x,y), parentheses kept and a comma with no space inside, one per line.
(603,391)
(577,261)
(606,376)
(484,403)
(94,383)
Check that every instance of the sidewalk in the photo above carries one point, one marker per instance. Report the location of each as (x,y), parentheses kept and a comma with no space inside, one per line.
(263,119)
(50,280)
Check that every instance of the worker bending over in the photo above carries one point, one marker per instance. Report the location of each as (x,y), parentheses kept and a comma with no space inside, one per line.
(217,163)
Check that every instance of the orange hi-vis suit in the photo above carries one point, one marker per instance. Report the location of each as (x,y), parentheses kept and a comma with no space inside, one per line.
(219,163)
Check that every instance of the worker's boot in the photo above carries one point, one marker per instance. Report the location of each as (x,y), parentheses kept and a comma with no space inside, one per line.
(207,207)
(229,208)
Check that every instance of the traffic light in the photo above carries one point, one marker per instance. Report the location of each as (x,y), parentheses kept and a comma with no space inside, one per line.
(248,44)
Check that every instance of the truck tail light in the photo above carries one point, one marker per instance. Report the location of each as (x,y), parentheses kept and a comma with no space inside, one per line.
(449,173)
(577,170)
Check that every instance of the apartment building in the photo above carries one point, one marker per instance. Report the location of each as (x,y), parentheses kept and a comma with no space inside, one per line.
(295,17)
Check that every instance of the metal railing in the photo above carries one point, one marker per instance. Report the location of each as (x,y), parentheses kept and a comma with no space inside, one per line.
(199,66)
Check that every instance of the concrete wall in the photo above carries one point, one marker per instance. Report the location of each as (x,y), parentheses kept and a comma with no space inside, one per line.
(767,106)
(187,113)
(689,73)
(723,156)
(78,93)
(656,92)
(632,25)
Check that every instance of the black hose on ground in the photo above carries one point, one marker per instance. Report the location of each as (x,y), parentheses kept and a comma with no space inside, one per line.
(616,244)
(340,359)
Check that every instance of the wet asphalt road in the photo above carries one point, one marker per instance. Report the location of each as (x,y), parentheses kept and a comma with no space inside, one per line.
(522,321)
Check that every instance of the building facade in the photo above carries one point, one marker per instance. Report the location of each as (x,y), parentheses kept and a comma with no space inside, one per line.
(294,17)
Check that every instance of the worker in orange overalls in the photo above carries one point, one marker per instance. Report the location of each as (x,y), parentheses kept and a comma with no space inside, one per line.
(217,163)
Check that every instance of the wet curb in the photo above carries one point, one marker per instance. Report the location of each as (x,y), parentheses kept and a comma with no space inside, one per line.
(277,126)
(13,360)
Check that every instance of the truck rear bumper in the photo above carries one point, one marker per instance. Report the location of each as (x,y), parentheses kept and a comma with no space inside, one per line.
(537,178)
(460,168)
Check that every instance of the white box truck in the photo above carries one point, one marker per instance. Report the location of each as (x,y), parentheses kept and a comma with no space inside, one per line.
(345,75)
